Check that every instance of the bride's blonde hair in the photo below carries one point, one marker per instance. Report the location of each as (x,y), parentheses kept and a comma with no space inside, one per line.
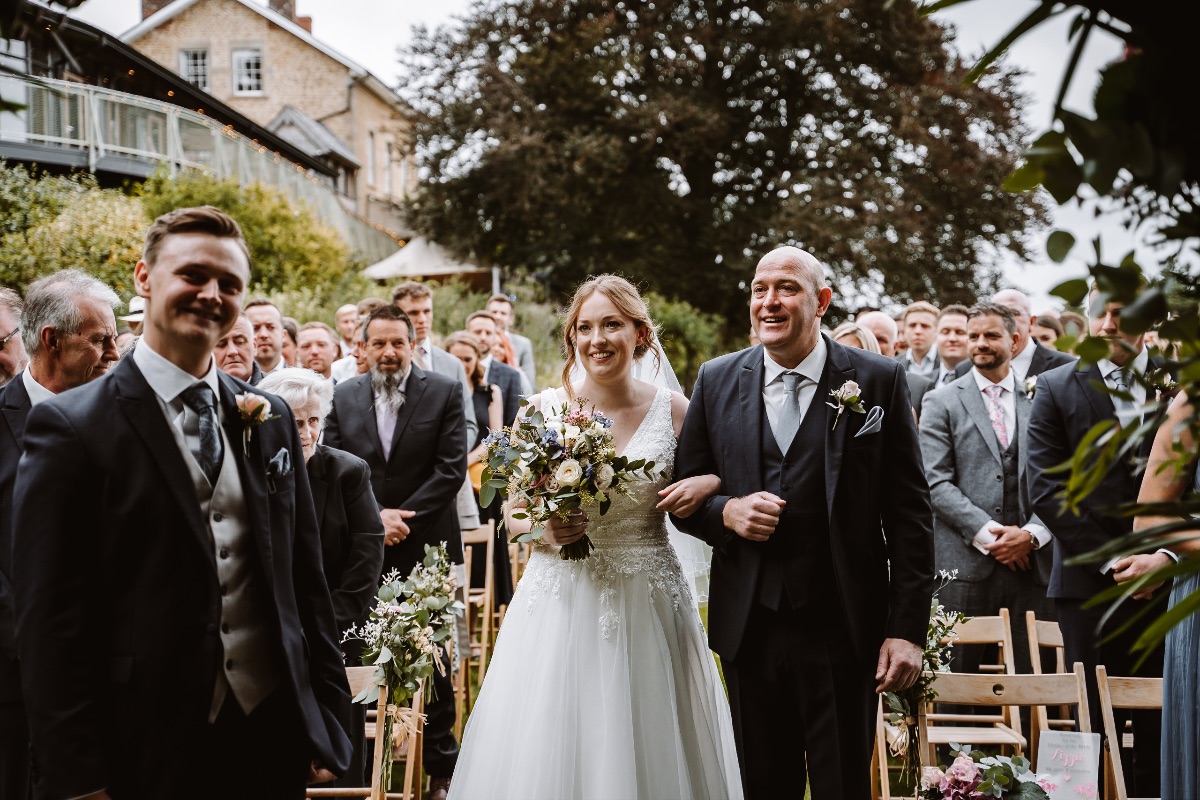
(624,295)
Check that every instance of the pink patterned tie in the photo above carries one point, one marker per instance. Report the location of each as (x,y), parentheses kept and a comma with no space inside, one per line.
(996,412)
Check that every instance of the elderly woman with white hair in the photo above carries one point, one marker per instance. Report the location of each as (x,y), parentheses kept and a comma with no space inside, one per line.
(347,515)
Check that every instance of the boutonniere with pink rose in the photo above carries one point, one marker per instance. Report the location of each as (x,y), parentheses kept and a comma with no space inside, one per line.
(848,395)
(1031,385)
(254,409)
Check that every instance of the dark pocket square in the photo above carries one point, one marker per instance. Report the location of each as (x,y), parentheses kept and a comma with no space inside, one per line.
(281,464)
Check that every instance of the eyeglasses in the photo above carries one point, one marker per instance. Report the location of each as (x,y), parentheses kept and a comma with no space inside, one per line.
(4,341)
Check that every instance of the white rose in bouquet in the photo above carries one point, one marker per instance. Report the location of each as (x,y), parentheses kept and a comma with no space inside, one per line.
(568,473)
(604,477)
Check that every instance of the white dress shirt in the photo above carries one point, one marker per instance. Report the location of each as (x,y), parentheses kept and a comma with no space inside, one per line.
(774,392)
(1023,360)
(1109,370)
(37,392)
(928,368)
(1008,407)
(385,417)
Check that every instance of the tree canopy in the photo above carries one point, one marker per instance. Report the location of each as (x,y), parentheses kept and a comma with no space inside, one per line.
(677,141)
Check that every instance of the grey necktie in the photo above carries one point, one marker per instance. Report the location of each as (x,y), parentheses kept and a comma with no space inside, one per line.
(787,421)
(1126,409)
(200,399)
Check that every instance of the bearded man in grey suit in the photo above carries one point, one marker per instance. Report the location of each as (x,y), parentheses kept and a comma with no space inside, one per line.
(973,443)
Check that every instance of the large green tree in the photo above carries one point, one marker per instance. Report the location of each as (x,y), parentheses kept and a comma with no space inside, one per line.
(676,141)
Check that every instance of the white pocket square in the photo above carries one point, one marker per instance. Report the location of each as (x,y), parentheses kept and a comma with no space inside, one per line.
(873,422)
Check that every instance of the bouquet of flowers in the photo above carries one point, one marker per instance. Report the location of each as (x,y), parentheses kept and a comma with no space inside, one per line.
(974,776)
(902,706)
(404,636)
(557,466)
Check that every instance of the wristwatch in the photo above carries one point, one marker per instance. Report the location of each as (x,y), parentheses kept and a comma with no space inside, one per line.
(1033,541)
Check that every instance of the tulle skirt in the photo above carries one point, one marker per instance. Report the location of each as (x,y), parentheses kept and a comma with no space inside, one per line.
(601,687)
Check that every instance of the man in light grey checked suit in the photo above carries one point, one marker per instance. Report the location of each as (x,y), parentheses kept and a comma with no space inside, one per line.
(973,443)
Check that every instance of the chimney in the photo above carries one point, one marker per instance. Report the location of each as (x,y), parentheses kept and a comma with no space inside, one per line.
(304,22)
(284,8)
(151,6)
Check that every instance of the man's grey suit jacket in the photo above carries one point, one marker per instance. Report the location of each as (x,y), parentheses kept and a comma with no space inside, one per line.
(524,350)
(443,363)
(966,480)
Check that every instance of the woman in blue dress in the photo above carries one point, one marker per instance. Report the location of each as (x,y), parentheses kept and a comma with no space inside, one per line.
(1181,658)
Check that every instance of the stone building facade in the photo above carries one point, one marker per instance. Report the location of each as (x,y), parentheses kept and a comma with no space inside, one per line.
(265,63)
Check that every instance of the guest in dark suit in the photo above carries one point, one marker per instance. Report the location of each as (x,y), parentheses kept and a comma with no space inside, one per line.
(349,522)
(1030,358)
(975,447)
(407,424)
(70,332)
(1067,404)
(811,608)
(176,635)
(886,333)
(482,326)
(500,306)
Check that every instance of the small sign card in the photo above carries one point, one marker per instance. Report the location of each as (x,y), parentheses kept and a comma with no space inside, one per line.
(1069,763)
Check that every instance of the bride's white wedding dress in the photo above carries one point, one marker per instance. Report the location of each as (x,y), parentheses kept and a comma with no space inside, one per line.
(602,686)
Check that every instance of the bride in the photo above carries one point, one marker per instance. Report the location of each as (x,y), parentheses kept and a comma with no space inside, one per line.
(602,684)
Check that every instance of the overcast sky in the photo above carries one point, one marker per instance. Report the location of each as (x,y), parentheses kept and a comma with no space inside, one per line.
(369,31)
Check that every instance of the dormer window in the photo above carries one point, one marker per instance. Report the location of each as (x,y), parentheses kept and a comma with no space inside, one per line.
(248,71)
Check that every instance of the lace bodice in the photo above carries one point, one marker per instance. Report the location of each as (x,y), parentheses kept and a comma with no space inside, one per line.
(632,537)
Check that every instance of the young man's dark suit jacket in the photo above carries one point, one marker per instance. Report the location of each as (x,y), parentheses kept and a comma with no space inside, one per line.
(1044,359)
(1066,405)
(14,735)
(873,483)
(118,599)
(427,463)
(509,381)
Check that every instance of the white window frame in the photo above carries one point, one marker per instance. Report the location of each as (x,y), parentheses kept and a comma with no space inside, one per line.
(185,61)
(371,176)
(237,58)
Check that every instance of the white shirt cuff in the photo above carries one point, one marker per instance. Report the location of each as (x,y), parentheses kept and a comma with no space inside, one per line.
(985,536)
(1174,557)
(1040,534)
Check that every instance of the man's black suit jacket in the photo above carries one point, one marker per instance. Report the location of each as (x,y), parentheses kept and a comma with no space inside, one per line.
(874,483)
(351,531)
(509,381)
(427,463)
(14,408)
(1044,359)
(118,598)
(1066,405)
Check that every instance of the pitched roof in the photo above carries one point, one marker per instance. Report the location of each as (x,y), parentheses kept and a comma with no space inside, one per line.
(172,10)
(312,137)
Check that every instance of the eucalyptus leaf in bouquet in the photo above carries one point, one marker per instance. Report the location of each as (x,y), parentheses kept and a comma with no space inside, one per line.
(404,636)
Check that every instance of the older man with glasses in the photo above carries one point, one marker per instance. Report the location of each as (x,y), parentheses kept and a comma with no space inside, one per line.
(12,354)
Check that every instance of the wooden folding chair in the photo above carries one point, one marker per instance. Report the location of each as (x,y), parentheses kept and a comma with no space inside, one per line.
(997,691)
(1002,728)
(1119,692)
(361,678)
(1045,635)
(479,614)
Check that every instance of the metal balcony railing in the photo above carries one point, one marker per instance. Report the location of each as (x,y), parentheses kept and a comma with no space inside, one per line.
(100,129)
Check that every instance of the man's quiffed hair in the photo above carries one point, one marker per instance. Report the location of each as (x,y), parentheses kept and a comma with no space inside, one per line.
(994,309)
(199,219)
(387,313)
(410,290)
(962,311)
